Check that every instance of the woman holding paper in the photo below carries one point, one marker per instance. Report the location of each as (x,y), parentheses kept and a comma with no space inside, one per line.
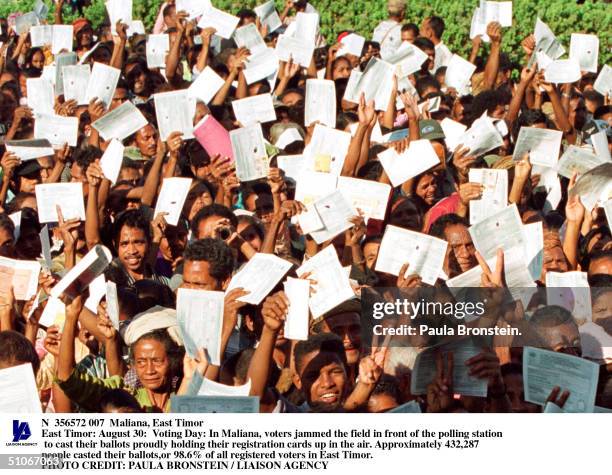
(156,357)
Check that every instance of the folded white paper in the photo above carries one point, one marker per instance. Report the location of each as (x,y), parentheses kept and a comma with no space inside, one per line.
(68,196)
(112,159)
(206,85)
(418,158)
(172,198)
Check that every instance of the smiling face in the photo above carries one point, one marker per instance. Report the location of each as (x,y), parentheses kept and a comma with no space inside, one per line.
(426,188)
(152,363)
(322,379)
(132,249)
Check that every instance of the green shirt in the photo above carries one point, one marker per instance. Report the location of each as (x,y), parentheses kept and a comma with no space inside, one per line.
(87,391)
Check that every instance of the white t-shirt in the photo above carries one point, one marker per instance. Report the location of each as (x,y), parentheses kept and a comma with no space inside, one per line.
(443,56)
(389,34)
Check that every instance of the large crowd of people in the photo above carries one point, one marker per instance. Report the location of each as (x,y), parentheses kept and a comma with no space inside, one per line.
(86,361)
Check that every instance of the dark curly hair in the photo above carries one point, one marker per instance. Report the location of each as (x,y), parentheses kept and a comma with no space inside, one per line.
(214,251)
(212,210)
(132,218)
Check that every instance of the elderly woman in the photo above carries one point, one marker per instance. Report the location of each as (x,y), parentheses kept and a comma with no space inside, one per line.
(155,356)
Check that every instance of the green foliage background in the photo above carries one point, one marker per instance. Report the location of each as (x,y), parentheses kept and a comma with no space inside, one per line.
(563,16)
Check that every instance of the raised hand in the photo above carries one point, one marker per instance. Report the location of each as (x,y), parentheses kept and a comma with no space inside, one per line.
(52,340)
(207,34)
(355,234)
(96,109)
(121,29)
(440,390)
(410,281)
(94,173)
(529,44)
(9,163)
(494,31)
(158,226)
(276,180)
(174,141)
(231,306)
(496,278)
(410,105)
(365,110)
(522,168)
(470,191)
(274,311)
(198,364)
(574,209)
(371,367)
(68,230)
(462,160)
(485,365)
(557,397)
(290,208)
(22,113)
(105,326)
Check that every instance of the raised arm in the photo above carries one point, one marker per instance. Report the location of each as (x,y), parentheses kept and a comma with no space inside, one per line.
(9,163)
(151,184)
(574,215)
(331,57)
(66,362)
(231,307)
(527,76)
(287,71)
(236,67)
(174,55)
(561,118)
(92,224)
(389,115)
(112,343)
(522,172)
(476,42)
(286,9)
(366,114)
(287,210)
(68,230)
(58,12)
(370,371)
(202,60)
(119,45)
(273,312)
(494,30)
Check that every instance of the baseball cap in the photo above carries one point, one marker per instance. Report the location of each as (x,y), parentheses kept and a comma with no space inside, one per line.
(430,130)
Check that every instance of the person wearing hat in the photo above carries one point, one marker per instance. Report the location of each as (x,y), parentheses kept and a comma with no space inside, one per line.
(156,354)
(388,33)
(83,35)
